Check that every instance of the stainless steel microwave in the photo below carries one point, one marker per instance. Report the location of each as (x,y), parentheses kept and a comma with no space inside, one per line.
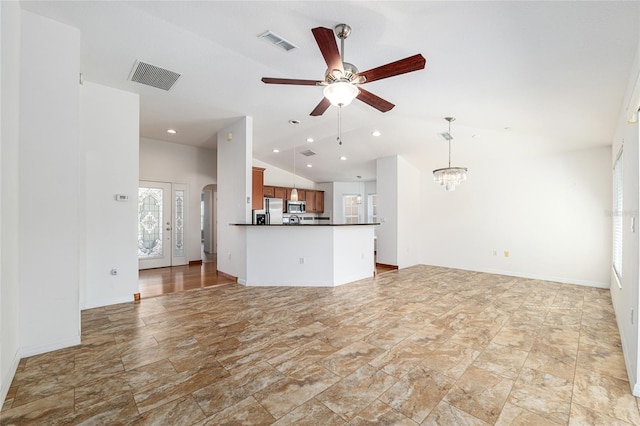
(296,207)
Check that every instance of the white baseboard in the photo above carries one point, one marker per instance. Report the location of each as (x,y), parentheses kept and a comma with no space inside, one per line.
(541,277)
(633,384)
(6,381)
(40,349)
(112,301)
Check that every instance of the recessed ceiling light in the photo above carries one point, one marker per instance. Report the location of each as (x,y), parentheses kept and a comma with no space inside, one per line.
(276,150)
(172,131)
(294,121)
(376,133)
(309,140)
(343,158)
(309,165)
(359,177)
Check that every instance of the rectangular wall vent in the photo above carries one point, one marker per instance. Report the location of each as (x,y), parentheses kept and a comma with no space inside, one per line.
(307,153)
(278,41)
(153,76)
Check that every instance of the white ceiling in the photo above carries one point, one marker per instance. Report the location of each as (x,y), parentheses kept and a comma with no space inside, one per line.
(554,73)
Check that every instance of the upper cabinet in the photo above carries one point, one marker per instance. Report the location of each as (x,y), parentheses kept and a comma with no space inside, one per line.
(313,198)
(310,198)
(269,191)
(257,187)
(319,201)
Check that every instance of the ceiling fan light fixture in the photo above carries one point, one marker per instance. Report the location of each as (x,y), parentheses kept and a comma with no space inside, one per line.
(340,93)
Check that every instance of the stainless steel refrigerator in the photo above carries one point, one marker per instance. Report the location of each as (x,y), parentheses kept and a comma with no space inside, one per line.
(271,214)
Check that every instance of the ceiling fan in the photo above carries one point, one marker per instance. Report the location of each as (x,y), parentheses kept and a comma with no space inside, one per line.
(342,79)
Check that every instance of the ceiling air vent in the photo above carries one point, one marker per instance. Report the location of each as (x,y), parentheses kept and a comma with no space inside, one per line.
(307,153)
(278,41)
(153,76)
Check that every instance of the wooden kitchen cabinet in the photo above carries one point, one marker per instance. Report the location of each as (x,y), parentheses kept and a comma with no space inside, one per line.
(257,188)
(310,198)
(313,198)
(319,207)
(269,191)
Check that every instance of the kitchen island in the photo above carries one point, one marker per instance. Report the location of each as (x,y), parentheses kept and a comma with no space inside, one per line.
(322,255)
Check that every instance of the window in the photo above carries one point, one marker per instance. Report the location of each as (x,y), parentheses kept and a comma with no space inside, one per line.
(351,208)
(372,208)
(617,218)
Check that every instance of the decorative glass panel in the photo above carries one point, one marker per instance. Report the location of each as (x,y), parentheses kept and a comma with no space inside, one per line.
(149,223)
(178,248)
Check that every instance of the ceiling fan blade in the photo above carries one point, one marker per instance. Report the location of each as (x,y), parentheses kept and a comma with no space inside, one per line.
(329,48)
(321,108)
(269,80)
(403,66)
(375,101)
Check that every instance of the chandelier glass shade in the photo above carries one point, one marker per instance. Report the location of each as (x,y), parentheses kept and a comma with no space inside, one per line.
(449,177)
(340,93)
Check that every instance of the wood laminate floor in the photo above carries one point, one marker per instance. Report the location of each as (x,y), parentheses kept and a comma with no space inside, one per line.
(419,346)
(158,281)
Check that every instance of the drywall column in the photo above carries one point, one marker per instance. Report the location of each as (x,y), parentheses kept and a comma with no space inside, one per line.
(387,232)
(9,215)
(110,136)
(399,207)
(235,145)
(49,186)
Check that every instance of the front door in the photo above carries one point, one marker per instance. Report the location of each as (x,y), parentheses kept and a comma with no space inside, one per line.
(161,214)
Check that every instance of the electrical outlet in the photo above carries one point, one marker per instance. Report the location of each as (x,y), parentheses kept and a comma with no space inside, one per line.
(302,260)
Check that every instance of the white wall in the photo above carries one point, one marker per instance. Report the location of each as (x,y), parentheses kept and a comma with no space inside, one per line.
(626,299)
(110,135)
(196,167)
(234,196)
(9,213)
(275,176)
(49,188)
(549,212)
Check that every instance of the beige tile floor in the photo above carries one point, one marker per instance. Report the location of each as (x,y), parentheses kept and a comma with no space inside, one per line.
(423,345)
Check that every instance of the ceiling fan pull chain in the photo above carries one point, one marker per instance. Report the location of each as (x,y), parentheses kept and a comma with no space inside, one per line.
(339,138)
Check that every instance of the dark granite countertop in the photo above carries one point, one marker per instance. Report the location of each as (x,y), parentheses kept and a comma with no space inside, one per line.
(305,225)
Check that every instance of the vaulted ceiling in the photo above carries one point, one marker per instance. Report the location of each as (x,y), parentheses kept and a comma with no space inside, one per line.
(521,78)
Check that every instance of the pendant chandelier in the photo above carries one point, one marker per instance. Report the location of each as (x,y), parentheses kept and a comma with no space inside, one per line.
(449,177)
